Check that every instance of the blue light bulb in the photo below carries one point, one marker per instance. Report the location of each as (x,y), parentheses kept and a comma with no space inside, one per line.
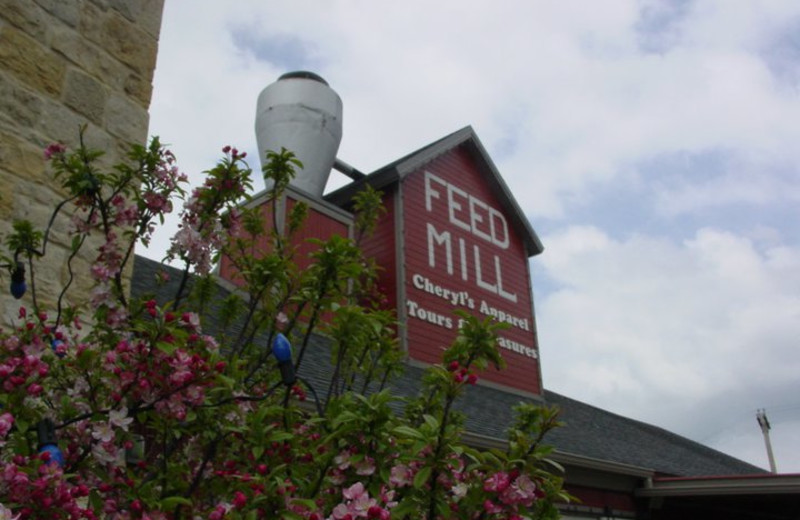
(18,289)
(18,285)
(54,345)
(56,456)
(282,349)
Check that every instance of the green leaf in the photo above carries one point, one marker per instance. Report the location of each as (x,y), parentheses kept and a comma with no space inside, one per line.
(305,502)
(258,451)
(345,417)
(404,509)
(95,500)
(166,348)
(431,421)
(408,431)
(281,436)
(170,502)
(422,477)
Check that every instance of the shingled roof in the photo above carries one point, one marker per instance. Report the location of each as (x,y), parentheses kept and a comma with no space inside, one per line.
(589,432)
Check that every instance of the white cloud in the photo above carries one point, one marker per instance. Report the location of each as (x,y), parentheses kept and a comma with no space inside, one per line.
(678,325)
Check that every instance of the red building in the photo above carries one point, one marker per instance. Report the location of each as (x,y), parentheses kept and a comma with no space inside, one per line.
(453,238)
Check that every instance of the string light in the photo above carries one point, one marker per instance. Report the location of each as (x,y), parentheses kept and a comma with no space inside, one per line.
(282,350)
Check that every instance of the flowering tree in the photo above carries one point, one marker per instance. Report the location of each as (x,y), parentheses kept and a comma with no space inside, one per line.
(120,407)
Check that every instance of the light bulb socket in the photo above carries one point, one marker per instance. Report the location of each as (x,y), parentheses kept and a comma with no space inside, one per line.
(48,442)
(46,432)
(287,373)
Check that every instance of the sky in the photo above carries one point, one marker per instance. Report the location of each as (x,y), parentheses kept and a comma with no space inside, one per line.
(654,146)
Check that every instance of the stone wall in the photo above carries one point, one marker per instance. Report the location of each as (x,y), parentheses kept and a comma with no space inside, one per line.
(63,64)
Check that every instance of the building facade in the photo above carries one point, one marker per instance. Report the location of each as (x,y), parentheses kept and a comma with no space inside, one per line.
(65,64)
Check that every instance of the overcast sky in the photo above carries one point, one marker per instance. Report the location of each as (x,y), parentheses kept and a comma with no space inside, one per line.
(654,146)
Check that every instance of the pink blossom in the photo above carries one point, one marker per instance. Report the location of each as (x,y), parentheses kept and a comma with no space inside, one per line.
(400,476)
(127,216)
(342,460)
(192,320)
(220,511)
(239,500)
(54,149)
(522,491)
(341,512)
(490,507)
(103,432)
(156,202)
(101,272)
(365,467)
(6,420)
(354,492)
(378,512)
(119,418)
(338,477)
(497,482)
(101,295)
(7,514)
(459,490)
(387,497)
(359,501)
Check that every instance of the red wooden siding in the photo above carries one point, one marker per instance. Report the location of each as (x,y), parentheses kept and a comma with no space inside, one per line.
(318,224)
(455,178)
(603,498)
(382,247)
(227,270)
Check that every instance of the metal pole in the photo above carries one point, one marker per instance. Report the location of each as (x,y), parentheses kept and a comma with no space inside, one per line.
(761,417)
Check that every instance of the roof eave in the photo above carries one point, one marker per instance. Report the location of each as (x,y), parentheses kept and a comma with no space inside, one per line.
(735,485)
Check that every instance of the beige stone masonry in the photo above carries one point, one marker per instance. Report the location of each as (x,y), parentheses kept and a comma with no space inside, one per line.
(85,95)
(30,61)
(64,64)
(120,37)
(66,12)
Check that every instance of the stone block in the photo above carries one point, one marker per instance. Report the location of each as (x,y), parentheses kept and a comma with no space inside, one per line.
(28,16)
(73,47)
(7,197)
(139,89)
(18,105)
(145,13)
(119,37)
(67,12)
(98,63)
(22,159)
(59,123)
(40,202)
(85,95)
(126,119)
(30,62)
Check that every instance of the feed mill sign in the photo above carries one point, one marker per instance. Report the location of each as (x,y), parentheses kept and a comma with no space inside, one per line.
(454,239)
